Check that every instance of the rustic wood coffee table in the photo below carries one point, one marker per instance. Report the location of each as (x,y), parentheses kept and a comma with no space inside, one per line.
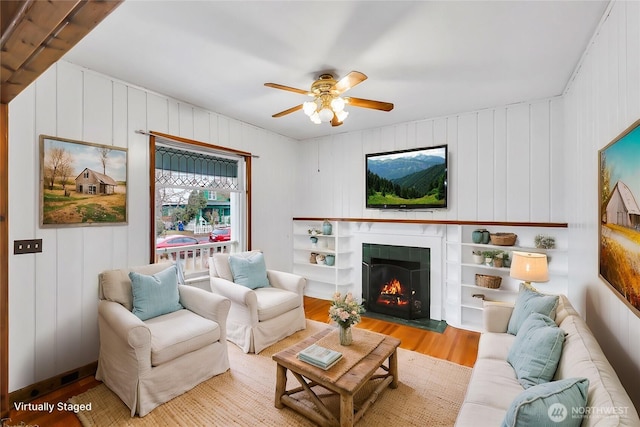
(345,386)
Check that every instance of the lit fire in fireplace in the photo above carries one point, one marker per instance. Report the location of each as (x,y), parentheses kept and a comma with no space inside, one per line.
(391,294)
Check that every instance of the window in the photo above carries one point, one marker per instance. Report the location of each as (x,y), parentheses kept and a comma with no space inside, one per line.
(198,189)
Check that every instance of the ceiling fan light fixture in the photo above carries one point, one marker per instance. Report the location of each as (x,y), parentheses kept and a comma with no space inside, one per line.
(326,114)
(328,105)
(309,107)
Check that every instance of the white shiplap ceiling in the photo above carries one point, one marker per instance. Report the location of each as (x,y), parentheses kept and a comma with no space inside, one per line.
(429,58)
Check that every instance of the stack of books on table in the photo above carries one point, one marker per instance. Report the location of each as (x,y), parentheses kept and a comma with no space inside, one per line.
(319,356)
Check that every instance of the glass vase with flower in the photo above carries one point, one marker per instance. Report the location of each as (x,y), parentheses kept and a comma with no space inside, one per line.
(345,311)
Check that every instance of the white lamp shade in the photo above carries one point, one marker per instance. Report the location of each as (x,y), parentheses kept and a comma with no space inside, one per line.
(530,267)
(342,115)
(315,118)
(337,104)
(309,107)
(326,115)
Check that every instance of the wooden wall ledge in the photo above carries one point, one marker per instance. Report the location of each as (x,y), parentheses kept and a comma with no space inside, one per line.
(440,222)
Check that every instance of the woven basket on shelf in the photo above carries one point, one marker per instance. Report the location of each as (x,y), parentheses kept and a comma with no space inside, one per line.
(503,239)
(486,281)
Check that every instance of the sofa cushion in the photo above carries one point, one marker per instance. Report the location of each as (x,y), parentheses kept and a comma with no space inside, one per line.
(495,346)
(178,333)
(156,294)
(493,384)
(536,350)
(249,271)
(272,302)
(531,301)
(550,404)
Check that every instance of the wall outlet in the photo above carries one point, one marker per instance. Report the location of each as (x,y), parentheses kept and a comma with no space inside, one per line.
(27,246)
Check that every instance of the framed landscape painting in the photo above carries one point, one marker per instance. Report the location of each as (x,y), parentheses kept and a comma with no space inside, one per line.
(81,183)
(620,215)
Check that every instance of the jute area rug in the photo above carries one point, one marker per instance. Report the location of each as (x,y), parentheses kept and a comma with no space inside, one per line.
(429,394)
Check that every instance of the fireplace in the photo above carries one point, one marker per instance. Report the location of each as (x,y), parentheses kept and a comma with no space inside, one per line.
(396,280)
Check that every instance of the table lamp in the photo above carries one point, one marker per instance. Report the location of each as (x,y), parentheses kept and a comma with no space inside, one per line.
(530,267)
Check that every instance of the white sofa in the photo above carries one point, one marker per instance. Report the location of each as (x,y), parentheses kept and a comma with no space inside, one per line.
(493,385)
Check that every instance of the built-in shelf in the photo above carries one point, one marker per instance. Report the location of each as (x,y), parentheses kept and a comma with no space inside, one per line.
(461,269)
(322,279)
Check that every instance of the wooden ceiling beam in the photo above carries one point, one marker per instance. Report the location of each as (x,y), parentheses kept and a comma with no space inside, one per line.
(39,34)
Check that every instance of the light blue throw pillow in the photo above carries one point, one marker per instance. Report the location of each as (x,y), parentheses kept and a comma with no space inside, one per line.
(554,404)
(249,271)
(155,295)
(530,301)
(536,351)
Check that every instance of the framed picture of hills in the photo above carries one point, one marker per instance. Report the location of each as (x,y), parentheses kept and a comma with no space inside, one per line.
(619,197)
(81,183)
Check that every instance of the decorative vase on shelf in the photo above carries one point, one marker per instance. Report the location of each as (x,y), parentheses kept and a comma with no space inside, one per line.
(314,241)
(346,338)
(330,259)
(476,236)
(326,227)
(486,236)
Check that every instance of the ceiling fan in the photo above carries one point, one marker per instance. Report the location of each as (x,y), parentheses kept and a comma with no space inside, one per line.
(328,104)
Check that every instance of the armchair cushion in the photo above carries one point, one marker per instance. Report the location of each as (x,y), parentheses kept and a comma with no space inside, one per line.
(180,332)
(115,285)
(155,295)
(249,271)
(272,302)
(219,264)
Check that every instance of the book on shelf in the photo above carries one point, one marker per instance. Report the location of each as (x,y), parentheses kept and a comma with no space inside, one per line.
(321,357)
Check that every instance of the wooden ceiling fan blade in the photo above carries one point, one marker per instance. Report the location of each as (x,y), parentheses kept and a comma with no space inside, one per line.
(368,103)
(347,82)
(290,89)
(289,111)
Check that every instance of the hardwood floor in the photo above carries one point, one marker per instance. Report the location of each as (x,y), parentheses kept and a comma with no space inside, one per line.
(456,345)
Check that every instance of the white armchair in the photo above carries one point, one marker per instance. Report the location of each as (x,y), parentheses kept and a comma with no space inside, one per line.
(149,362)
(263,316)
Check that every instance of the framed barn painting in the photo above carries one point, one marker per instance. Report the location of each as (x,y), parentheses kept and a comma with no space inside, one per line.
(620,216)
(81,183)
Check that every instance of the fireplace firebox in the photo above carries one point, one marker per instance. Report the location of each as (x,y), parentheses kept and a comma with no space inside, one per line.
(396,280)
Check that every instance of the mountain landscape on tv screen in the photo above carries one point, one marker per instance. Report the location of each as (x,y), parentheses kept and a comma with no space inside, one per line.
(416,180)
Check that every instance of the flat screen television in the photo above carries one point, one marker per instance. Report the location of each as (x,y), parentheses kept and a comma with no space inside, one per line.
(407,179)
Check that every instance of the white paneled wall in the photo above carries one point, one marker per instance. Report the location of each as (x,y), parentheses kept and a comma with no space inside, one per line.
(53,295)
(505,164)
(600,103)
